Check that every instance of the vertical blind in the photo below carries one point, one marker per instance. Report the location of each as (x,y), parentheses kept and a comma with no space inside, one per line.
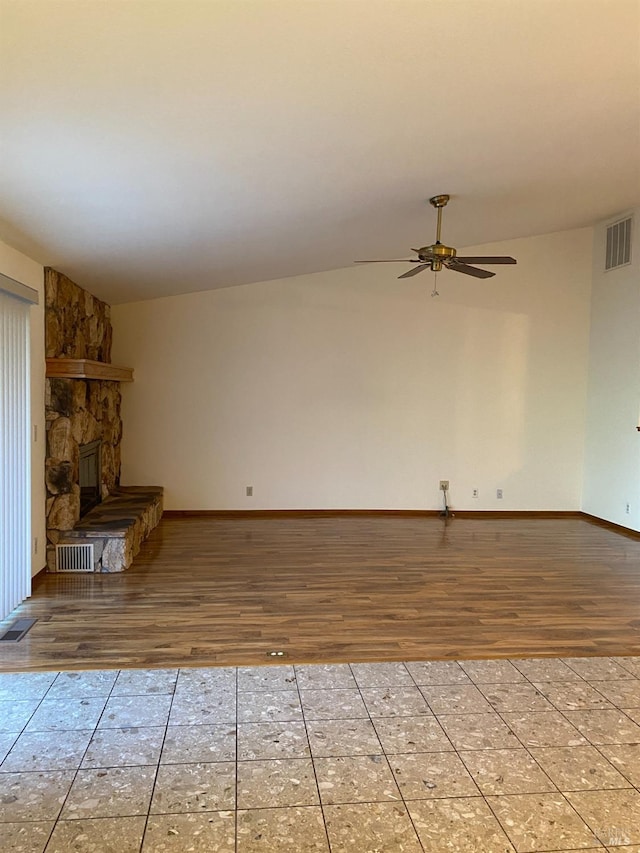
(15,455)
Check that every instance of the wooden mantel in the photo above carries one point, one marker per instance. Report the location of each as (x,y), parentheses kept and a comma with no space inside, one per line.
(85,368)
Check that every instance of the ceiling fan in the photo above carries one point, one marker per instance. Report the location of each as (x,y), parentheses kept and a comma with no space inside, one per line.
(438,255)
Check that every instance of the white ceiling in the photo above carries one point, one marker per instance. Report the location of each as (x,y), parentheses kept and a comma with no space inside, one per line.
(153,147)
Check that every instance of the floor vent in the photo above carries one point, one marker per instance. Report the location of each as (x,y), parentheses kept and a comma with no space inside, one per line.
(17,631)
(618,252)
(75,558)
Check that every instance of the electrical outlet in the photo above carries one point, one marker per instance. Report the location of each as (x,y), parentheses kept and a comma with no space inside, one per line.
(444,485)
(35,544)
(474,493)
(499,494)
(628,508)
(249,491)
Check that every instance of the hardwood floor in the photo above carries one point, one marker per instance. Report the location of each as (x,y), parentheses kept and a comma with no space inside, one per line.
(209,591)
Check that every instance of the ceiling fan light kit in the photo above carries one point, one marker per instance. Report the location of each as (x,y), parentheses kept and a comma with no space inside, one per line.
(438,256)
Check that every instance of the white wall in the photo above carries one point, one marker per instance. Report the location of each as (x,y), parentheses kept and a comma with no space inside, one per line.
(350,389)
(23,269)
(612,459)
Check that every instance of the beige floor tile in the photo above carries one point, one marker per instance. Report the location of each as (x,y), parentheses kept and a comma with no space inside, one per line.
(597,669)
(329,675)
(578,768)
(546,669)
(333,704)
(455,699)
(269,705)
(634,713)
(605,727)
(614,816)
(506,771)
(276,783)
(124,747)
(109,792)
(629,664)
(67,714)
(199,680)
(215,706)
(394,701)
(140,682)
(22,686)
(355,779)
(626,758)
(342,737)
(197,744)
(291,830)
(411,734)
(381,675)
(194,788)
(272,740)
(437,672)
(14,715)
(458,825)
(364,827)
(541,822)
(631,848)
(573,696)
(203,832)
(41,751)
(544,728)
(25,837)
(478,731)
(623,694)
(266,678)
(100,835)
(515,697)
(491,671)
(422,776)
(128,711)
(7,740)
(80,685)
(33,796)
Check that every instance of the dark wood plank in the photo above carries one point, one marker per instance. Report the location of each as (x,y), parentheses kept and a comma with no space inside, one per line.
(209,591)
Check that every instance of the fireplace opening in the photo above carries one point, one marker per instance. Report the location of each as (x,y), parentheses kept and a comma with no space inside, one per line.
(90,492)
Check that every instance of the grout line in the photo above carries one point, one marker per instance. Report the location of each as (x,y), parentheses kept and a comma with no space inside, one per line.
(312,760)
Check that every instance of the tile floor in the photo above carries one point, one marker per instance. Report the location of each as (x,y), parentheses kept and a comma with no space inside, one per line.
(477,756)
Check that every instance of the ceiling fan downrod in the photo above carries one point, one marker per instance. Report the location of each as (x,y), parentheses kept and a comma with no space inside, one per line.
(439,201)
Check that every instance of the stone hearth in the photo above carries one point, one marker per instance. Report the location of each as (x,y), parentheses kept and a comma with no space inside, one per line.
(118,526)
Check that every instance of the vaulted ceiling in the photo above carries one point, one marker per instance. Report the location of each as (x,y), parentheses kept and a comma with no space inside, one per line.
(152,147)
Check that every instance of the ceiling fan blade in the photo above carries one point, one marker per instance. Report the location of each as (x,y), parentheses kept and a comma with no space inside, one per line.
(487,260)
(474,271)
(392,261)
(415,271)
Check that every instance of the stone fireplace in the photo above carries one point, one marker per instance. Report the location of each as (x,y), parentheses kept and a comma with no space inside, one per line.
(79,412)
(84,431)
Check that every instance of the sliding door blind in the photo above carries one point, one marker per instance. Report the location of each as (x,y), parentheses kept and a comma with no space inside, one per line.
(15,456)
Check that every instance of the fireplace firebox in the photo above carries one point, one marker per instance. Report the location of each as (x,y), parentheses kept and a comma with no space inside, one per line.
(90,491)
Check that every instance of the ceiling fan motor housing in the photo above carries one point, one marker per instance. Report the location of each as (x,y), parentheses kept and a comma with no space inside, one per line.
(438,252)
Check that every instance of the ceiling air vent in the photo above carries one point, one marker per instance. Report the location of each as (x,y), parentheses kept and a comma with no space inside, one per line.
(618,244)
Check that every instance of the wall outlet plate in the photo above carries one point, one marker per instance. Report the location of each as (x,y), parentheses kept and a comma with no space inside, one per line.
(249,491)
(499,494)
(444,485)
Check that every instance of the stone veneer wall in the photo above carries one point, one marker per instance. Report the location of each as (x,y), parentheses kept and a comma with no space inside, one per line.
(78,411)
